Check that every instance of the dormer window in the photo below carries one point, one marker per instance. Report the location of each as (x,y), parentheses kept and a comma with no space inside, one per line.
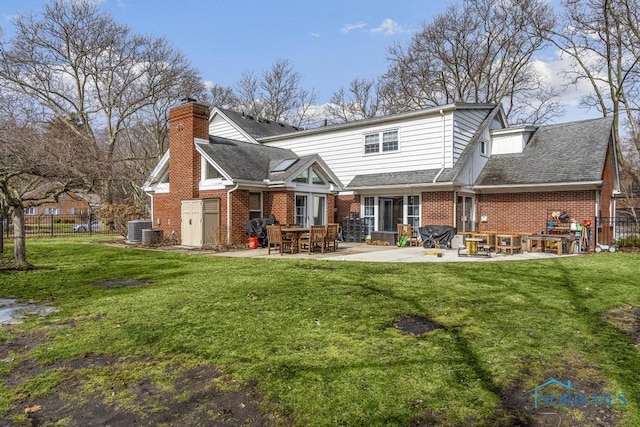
(210,172)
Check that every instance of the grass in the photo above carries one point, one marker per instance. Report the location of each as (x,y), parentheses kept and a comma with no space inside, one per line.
(317,336)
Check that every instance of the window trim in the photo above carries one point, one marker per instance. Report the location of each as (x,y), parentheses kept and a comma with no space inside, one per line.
(259,211)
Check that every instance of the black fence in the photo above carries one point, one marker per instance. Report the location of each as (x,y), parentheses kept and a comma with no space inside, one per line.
(623,232)
(39,226)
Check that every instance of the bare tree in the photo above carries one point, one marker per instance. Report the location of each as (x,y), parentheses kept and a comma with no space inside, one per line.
(602,40)
(75,60)
(38,165)
(361,100)
(223,97)
(277,95)
(478,52)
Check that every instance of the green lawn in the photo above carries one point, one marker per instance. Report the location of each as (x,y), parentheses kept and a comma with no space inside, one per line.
(317,337)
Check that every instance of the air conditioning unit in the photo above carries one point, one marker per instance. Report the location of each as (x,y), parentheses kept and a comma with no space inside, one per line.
(134,230)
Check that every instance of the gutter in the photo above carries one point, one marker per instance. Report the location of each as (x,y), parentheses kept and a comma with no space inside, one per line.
(587,185)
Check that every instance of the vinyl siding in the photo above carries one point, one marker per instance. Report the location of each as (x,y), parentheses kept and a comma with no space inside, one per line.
(420,147)
(465,125)
(222,128)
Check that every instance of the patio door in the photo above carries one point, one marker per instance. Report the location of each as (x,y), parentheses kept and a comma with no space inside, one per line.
(464,213)
(390,213)
(311,209)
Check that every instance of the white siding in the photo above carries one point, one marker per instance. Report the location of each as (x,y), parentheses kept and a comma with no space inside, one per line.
(470,171)
(222,128)
(509,141)
(465,125)
(420,147)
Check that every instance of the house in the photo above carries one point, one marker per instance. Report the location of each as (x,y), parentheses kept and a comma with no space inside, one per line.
(67,204)
(459,165)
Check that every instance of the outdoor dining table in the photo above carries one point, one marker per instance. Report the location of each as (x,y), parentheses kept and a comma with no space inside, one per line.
(296,233)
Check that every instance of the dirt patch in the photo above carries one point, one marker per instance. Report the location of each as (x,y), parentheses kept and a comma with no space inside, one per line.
(106,390)
(517,407)
(415,325)
(116,283)
(626,318)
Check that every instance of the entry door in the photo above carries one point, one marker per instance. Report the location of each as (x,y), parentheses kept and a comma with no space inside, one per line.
(192,223)
(390,209)
(464,208)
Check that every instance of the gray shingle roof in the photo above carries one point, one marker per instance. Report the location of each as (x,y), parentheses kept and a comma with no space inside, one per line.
(244,160)
(568,152)
(257,127)
(424,176)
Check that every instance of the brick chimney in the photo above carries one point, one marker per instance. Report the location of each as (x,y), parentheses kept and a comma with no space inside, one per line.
(186,122)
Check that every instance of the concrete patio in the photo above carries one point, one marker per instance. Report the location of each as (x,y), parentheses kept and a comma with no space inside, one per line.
(372,253)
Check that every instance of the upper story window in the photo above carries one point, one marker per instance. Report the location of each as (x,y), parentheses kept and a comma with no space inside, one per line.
(381,142)
(31,210)
(484,147)
(52,211)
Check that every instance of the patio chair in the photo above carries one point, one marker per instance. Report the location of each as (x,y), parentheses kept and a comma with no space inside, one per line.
(314,240)
(331,239)
(407,230)
(276,241)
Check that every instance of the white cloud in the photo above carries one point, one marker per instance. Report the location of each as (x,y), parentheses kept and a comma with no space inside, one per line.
(388,27)
(316,35)
(350,27)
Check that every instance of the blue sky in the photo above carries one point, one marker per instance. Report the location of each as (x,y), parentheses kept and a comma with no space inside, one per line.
(329,43)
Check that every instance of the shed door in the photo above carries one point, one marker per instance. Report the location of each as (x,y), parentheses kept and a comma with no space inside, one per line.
(211,223)
(192,222)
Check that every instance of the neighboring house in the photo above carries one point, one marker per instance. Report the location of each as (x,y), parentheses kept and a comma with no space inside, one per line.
(67,204)
(457,165)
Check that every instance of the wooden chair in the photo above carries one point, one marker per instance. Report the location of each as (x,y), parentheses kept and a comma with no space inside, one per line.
(276,241)
(314,240)
(331,239)
(407,230)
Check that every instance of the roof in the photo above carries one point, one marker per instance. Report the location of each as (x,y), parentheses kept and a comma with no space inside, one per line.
(257,127)
(243,160)
(568,152)
(424,176)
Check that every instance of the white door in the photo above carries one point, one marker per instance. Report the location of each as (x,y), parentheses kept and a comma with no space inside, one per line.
(192,223)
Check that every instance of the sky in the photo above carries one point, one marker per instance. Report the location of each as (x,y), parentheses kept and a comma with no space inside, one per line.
(329,42)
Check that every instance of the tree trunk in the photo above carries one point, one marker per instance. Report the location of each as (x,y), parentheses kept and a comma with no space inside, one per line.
(19,238)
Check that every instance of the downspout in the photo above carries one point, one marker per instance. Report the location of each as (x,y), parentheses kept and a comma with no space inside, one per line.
(229,212)
(443,149)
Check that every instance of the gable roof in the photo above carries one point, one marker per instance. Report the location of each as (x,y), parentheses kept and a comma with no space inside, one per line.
(256,127)
(242,160)
(256,162)
(562,153)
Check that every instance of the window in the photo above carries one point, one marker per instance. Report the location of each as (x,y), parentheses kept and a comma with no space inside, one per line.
(52,211)
(413,211)
(31,210)
(301,210)
(310,176)
(389,142)
(317,215)
(255,205)
(211,172)
(369,214)
(484,147)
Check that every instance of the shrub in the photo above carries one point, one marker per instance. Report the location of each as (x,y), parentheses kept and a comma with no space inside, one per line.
(118,216)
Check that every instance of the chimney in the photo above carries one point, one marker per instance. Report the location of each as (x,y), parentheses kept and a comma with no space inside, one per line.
(186,122)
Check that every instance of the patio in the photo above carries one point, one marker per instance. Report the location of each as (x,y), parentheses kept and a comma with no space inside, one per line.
(373,253)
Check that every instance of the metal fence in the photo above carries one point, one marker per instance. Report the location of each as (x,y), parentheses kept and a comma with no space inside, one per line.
(60,226)
(619,231)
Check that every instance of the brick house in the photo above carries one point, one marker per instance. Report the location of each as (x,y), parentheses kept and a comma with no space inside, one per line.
(458,165)
(67,204)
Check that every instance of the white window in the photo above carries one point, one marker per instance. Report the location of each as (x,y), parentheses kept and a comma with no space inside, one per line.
(31,210)
(369,214)
(52,211)
(311,215)
(210,172)
(381,142)
(255,205)
(310,176)
(413,211)
(484,147)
